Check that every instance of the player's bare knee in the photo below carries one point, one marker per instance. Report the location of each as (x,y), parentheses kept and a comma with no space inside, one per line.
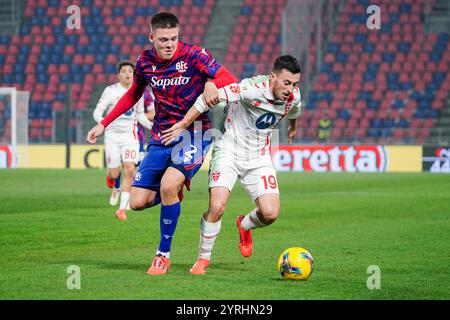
(269,219)
(269,215)
(169,190)
(216,210)
(137,205)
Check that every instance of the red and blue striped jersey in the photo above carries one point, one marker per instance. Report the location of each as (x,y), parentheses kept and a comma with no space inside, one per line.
(176,83)
(148,106)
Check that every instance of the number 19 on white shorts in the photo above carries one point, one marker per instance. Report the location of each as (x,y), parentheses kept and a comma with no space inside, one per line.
(257,180)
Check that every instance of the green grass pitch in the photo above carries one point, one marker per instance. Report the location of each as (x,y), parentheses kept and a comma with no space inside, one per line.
(51,219)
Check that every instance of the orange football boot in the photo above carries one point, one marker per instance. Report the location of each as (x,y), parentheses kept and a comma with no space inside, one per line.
(160,265)
(245,239)
(121,215)
(199,266)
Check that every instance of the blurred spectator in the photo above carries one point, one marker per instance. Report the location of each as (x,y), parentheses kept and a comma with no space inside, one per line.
(325,127)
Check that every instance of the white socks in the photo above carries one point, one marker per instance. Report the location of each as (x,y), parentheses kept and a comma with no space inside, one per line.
(251,221)
(208,235)
(210,230)
(124,199)
(164,254)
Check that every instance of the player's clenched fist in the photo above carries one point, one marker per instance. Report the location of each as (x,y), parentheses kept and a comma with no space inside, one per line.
(94,133)
(211,94)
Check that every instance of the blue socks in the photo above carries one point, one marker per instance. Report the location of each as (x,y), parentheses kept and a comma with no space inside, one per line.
(168,224)
(117,185)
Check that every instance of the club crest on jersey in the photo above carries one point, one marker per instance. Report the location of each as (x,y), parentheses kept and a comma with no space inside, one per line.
(265,121)
(181,66)
(216,175)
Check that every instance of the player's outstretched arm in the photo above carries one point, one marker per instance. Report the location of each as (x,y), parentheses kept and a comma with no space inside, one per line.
(292,130)
(211,94)
(174,132)
(222,78)
(200,106)
(94,133)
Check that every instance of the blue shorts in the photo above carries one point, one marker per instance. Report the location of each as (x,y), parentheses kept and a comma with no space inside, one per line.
(141,146)
(186,156)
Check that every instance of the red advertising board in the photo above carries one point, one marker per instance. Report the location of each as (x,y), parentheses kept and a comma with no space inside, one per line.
(330,158)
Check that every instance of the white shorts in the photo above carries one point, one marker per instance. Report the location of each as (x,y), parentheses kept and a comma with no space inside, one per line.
(121,147)
(258,176)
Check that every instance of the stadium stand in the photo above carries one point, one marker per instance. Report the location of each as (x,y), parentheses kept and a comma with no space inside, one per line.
(256,41)
(380,86)
(385,85)
(4,120)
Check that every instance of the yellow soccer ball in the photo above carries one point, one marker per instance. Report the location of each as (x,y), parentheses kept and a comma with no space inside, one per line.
(295,264)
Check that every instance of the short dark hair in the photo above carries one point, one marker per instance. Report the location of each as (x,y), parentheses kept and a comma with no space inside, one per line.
(124,63)
(287,62)
(165,20)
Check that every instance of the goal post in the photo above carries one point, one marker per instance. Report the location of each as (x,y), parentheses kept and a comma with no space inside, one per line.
(14,106)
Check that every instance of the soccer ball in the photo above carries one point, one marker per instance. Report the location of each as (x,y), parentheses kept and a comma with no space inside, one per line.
(295,264)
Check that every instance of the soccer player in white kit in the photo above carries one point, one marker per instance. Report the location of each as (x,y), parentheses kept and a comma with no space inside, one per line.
(121,137)
(254,107)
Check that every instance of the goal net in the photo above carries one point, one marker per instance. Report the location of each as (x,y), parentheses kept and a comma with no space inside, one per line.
(13,127)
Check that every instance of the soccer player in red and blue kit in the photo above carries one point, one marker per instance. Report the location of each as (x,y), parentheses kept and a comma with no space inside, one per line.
(177,73)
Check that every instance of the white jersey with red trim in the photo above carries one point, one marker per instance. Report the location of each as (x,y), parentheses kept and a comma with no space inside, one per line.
(126,122)
(250,115)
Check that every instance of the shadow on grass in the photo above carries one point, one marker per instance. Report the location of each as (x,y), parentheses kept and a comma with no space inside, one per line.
(178,268)
(212,267)
(111,265)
